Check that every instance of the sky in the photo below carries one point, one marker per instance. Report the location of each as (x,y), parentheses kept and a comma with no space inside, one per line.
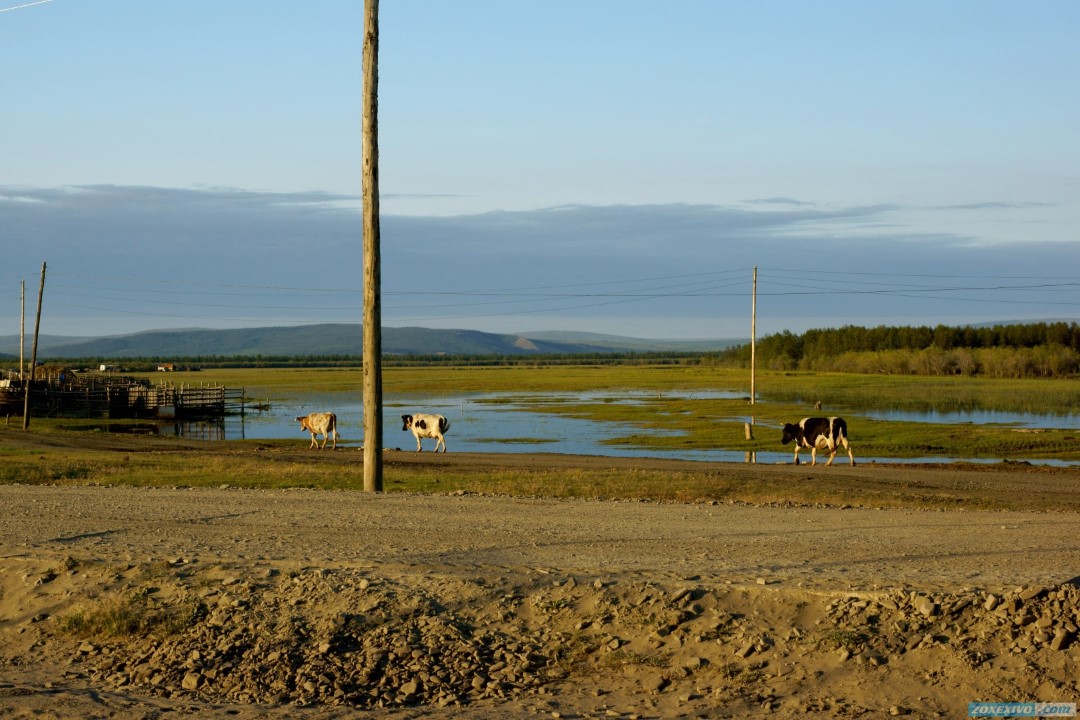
(614,166)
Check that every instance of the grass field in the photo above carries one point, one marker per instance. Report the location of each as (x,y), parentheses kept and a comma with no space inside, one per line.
(76,452)
(803,388)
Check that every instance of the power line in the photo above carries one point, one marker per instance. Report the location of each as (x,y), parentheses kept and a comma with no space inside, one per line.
(137,296)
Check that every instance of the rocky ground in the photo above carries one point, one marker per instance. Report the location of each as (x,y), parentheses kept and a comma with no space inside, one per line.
(154,603)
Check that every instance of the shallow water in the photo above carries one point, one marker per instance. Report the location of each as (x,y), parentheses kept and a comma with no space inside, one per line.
(979,417)
(500,422)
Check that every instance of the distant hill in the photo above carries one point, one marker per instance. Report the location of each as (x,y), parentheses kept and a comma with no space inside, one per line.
(9,344)
(617,343)
(340,339)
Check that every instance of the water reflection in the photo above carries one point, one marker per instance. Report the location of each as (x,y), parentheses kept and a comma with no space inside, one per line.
(500,422)
(978,417)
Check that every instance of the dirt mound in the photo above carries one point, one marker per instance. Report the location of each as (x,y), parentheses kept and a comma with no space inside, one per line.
(354,638)
(140,603)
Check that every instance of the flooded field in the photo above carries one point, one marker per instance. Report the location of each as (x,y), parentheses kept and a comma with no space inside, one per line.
(502,422)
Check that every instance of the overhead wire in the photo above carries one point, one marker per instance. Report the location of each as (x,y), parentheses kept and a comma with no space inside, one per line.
(136,296)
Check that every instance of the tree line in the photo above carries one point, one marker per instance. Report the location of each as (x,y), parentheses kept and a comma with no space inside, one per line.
(1044,349)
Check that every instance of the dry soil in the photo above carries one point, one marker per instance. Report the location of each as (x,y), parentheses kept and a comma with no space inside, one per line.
(341,604)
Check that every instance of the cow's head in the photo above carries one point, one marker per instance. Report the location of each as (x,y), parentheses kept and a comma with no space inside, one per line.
(406,422)
(791,432)
(303,422)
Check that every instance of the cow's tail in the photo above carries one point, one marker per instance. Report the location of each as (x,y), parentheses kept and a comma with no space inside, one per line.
(444,424)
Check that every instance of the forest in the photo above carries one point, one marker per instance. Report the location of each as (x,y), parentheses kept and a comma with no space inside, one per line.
(1044,349)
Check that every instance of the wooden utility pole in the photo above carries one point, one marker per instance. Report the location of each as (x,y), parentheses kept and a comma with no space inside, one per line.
(372,326)
(748,428)
(753,341)
(33,355)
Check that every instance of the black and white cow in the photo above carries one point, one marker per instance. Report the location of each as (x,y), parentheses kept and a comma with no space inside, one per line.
(426,426)
(818,433)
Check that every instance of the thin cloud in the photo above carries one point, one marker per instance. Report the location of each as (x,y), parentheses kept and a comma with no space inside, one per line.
(995,206)
(231,253)
(780,201)
(25,5)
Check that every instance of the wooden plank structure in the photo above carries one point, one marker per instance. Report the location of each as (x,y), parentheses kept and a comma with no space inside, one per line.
(116,397)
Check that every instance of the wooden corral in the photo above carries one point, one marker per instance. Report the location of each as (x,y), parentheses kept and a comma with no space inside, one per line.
(90,395)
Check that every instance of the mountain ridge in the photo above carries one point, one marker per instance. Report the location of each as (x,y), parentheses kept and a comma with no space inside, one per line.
(340,339)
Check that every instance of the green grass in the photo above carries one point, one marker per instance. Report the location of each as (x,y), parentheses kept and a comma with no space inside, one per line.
(443,381)
(834,390)
(658,419)
(278,465)
(716,424)
(920,392)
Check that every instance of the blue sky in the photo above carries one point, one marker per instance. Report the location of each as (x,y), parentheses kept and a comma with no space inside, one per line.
(603,165)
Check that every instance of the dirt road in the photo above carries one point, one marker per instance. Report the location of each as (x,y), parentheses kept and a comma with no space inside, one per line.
(319,603)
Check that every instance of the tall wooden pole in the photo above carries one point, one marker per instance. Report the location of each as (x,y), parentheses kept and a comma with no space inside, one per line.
(372,332)
(33,355)
(22,329)
(753,341)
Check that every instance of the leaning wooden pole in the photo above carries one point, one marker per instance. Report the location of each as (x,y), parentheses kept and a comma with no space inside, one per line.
(33,354)
(22,330)
(372,328)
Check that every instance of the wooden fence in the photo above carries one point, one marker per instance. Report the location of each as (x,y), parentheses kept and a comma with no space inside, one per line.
(119,397)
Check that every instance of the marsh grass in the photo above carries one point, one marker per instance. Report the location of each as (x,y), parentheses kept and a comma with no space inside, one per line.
(718,424)
(802,389)
(250,465)
(217,466)
(660,419)
(454,380)
(665,420)
(918,392)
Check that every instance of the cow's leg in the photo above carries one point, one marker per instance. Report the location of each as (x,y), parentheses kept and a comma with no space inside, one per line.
(813,454)
(314,442)
(796,454)
(334,446)
(440,441)
(418,448)
(325,437)
(832,456)
(847,446)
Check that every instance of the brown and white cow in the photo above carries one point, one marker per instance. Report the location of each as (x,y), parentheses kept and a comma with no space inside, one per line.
(424,425)
(818,433)
(319,423)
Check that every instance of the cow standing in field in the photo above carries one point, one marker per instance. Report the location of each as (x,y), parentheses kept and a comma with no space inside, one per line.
(424,425)
(818,433)
(319,423)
